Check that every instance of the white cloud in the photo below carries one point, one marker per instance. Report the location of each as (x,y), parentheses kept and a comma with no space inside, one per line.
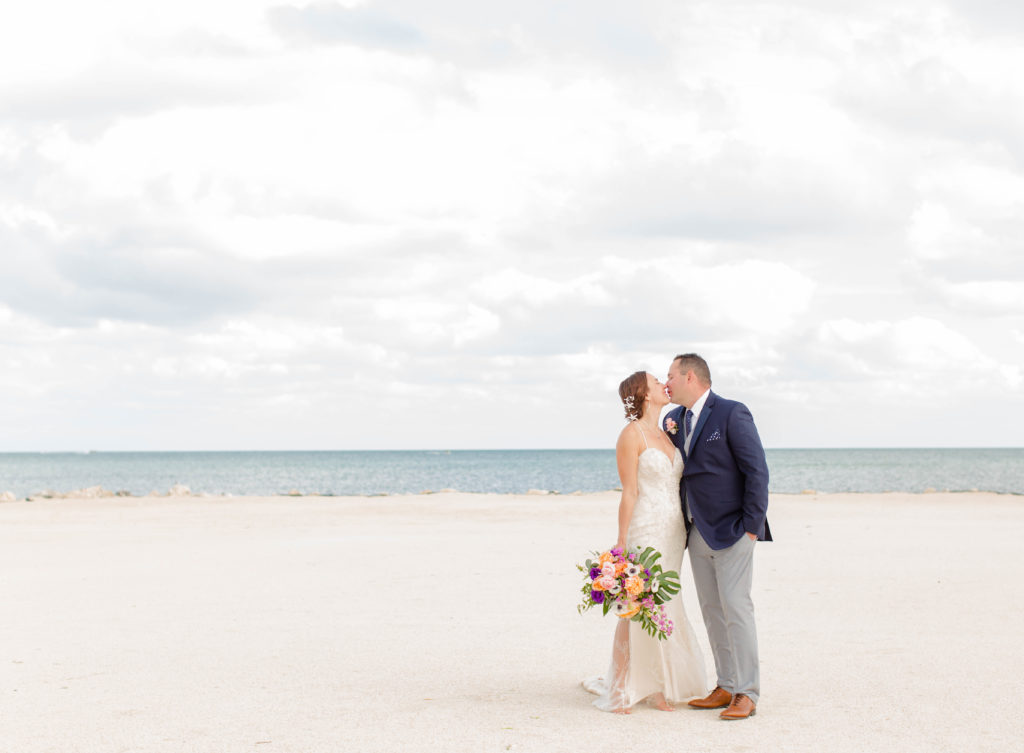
(431,323)
(935,234)
(328,22)
(514,285)
(995,296)
(908,365)
(760,297)
(1013,374)
(294,224)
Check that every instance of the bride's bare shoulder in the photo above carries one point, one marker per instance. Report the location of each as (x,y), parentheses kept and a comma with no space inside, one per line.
(629,437)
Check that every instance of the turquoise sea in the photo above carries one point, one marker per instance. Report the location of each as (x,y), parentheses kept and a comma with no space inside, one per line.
(504,471)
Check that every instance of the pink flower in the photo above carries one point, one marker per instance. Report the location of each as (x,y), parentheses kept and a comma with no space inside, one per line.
(671,426)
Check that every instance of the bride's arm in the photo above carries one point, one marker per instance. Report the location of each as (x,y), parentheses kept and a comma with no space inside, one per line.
(627,456)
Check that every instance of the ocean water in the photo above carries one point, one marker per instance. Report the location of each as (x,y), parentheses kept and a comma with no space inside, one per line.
(503,471)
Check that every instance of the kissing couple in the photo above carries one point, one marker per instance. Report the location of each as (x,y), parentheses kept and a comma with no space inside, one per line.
(697,479)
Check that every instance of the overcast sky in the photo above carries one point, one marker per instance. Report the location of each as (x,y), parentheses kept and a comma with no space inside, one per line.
(238,224)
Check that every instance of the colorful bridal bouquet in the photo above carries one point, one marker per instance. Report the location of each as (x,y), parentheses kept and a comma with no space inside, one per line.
(632,585)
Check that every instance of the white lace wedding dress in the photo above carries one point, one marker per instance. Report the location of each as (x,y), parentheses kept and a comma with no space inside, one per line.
(642,667)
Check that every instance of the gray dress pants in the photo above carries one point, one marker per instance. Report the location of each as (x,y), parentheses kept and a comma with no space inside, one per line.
(723,579)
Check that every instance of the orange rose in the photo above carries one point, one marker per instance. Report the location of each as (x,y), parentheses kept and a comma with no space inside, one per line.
(634,607)
(634,586)
(604,583)
(606,557)
(620,568)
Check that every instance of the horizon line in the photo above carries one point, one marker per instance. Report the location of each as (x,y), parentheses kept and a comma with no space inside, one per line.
(493,449)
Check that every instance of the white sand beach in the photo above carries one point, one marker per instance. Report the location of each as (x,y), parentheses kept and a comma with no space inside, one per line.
(447,622)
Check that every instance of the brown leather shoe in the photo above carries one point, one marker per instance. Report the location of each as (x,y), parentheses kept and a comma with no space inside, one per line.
(717,699)
(740,708)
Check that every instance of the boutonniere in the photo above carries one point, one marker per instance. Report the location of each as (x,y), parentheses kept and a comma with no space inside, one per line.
(714,436)
(671,426)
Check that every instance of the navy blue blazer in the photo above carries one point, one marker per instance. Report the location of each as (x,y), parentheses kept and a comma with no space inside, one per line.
(725,479)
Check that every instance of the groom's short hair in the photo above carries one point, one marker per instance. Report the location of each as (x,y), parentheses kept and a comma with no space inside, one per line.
(696,364)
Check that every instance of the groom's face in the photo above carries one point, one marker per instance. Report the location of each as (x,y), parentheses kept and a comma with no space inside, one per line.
(677,387)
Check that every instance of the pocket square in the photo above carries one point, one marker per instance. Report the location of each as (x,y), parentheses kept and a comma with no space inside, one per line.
(716,435)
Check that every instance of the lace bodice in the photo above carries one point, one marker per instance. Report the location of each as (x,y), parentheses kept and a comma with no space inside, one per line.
(657,516)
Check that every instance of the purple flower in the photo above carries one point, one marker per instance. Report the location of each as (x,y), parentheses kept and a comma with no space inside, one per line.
(597,597)
(617,551)
(632,557)
(594,573)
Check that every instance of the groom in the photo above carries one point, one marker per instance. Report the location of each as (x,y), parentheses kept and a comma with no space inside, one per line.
(724,492)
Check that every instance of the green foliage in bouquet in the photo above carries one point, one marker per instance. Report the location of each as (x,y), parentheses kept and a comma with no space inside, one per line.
(632,585)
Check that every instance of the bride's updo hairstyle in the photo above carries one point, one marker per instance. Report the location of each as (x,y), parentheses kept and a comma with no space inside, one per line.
(633,392)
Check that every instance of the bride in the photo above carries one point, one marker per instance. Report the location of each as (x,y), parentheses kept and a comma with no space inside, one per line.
(650,514)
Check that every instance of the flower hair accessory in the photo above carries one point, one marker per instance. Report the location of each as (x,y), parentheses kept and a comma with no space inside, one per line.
(630,408)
